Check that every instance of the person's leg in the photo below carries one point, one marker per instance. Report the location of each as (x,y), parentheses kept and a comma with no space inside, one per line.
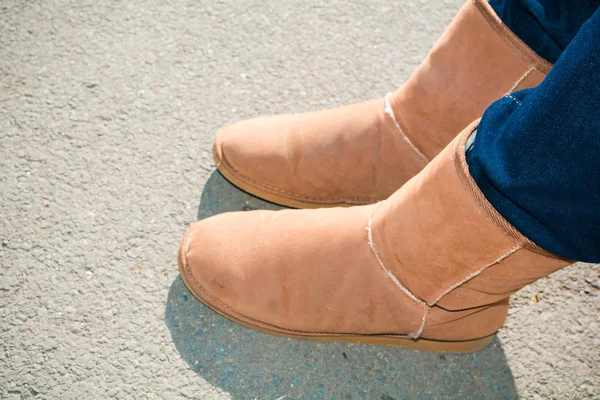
(536,154)
(547,26)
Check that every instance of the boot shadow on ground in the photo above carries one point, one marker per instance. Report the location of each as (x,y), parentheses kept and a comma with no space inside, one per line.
(248,364)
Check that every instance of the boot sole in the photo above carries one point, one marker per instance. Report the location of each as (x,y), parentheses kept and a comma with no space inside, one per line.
(232,177)
(422,344)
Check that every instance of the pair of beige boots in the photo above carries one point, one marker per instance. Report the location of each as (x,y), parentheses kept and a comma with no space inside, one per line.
(421,259)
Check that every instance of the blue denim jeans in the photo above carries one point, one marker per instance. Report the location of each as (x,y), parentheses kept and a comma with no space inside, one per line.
(547,26)
(536,154)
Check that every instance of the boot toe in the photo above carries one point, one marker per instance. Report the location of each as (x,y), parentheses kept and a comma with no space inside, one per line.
(205,267)
(250,152)
(222,263)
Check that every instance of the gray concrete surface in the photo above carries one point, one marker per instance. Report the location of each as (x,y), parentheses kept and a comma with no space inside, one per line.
(107,113)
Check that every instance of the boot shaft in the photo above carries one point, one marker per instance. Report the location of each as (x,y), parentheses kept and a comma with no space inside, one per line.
(448,247)
(475,62)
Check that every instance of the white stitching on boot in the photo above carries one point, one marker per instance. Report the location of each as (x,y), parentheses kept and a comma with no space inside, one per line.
(393,278)
(521,79)
(423,322)
(472,275)
(389,111)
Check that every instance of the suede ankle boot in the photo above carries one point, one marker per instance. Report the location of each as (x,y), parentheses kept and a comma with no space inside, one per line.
(430,268)
(362,153)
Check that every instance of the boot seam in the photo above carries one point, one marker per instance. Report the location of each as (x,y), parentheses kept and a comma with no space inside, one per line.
(504,255)
(520,80)
(387,109)
(388,273)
